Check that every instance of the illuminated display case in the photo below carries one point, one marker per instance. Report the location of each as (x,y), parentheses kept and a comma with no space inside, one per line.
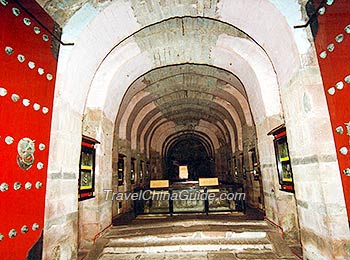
(141,170)
(235,171)
(284,167)
(132,171)
(87,168)
(121,169)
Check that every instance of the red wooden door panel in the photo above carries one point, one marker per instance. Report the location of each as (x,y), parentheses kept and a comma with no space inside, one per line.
(27,81)
(333,50)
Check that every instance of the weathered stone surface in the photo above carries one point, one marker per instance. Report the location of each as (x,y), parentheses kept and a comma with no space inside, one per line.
(181,238)
(221,256)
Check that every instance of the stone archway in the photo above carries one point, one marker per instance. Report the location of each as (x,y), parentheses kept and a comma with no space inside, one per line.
(270,70)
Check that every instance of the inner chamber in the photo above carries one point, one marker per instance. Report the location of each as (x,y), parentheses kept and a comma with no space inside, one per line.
(185,123)
(189,152)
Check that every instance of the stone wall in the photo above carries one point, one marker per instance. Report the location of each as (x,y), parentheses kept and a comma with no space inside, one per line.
(280,206)
(318,188)
(61,211)
(95,214)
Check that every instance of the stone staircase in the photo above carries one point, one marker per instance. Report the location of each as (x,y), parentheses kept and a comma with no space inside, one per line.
(151,237)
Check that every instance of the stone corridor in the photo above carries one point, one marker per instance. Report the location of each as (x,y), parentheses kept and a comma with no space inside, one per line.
(101,100)
(192,237)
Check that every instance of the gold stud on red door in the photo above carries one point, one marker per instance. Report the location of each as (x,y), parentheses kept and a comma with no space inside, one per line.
(17,185)
(339,130)
(347,172)
(4,187)
(339,38)
(28,186)
(343,150)
(35,226)
(15,97)
(38,185)
(12,233)
(9,50)
(27,21)
(347,79)
(347,29)
(4,2)
(9,140)
(36,30)
(24,229)
(16,11)
(3,92)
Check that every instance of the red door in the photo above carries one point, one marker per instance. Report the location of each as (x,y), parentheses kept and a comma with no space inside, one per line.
(27,81)
(333,49)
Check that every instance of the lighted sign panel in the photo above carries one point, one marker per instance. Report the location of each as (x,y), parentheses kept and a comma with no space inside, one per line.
(183,172)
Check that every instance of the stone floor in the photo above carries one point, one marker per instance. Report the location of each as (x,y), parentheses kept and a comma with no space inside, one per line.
(199,237)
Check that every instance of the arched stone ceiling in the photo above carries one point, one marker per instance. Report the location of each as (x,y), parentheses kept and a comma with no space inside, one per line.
(177,106)
(218,129)
(166,104)
(208,144)
(195,85)
(171,49)
(217,138)
(191,31)
(188,116)
(157,139)
(186,77)
(234,42)
(158,74)
(191,120)
(184,94)
(111,22)
(185,82)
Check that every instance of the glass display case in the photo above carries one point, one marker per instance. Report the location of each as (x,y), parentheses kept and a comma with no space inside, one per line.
(132,171)
(121,169)
(87,168)
(284,167)
(235,168)
(141,170)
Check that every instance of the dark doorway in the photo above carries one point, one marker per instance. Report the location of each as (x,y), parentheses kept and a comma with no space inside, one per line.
(190,152)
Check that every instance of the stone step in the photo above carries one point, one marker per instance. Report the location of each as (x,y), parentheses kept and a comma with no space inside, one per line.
(193,247)
(187,237)
(189,241)
(162,256)
(180,238)
(174,231)
(197,256)
(168,223)
(180,229)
